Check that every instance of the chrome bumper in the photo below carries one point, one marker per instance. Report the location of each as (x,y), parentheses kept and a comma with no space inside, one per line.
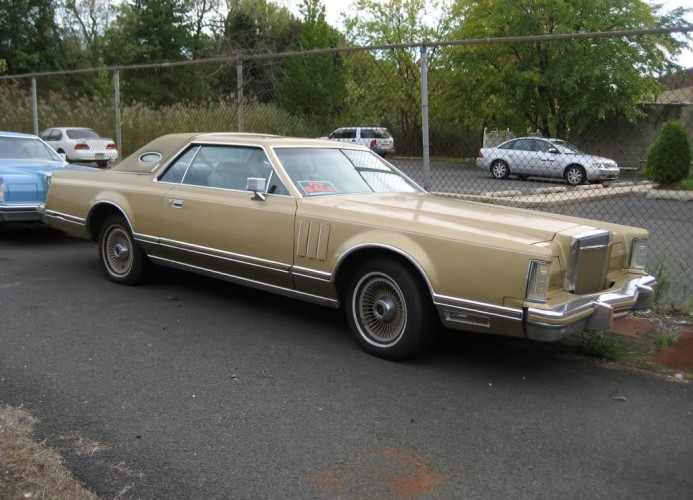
(589,313)
(20,213)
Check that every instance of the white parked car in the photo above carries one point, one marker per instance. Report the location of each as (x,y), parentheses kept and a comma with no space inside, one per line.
(80,144)
(378,139)
(542,157)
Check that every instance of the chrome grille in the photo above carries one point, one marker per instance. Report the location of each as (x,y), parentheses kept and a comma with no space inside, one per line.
(589,262)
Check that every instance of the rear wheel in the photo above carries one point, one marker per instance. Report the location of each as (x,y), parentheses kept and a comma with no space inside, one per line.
(389,310)
(575,175)
(500,169)
(122,259)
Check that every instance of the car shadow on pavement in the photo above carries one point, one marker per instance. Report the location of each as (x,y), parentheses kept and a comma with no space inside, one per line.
(35,233)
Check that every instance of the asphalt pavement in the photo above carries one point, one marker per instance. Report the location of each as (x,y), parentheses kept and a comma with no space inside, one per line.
(191,388)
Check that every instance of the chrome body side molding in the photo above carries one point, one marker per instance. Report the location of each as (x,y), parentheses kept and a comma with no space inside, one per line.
(286,292)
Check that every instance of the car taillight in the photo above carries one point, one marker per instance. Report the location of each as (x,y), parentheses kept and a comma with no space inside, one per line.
(373,143)
(81,145)
(111,146)
(480,154)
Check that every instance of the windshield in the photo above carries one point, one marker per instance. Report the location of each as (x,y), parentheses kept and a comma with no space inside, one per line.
(566,147)
(319,172)
(26,148)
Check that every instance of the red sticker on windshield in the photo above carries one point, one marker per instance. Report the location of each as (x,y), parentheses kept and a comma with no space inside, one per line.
(315,188)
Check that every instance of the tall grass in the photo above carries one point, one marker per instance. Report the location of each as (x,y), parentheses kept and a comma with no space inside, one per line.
(140,123)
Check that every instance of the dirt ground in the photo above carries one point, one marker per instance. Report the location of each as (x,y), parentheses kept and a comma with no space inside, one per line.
(676,328)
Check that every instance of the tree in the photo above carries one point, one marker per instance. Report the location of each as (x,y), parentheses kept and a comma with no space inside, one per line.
(86,21)
(153,31)
(558,86)
(314,85)
(393,77)
(206,23)
(30,39)
(669,158)
(255,27)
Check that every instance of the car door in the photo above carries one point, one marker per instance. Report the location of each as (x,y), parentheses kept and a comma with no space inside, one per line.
(520,157)
(546,165)
(209,220)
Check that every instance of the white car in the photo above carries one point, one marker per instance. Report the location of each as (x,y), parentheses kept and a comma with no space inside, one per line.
(378,139)
(542,157)
(80,144)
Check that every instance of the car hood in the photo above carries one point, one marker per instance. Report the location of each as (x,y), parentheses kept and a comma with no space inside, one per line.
(587,158)
(442,217)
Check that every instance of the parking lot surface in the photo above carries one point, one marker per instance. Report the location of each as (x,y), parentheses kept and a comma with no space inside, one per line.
(192,388)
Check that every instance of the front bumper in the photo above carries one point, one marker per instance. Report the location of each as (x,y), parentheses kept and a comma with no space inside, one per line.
(607,174)
(589,313)
(20,213)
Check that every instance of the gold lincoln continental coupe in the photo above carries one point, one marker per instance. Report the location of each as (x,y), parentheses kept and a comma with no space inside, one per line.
(335,224)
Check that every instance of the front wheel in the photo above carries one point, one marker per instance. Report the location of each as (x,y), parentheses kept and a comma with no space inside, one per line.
(575,175)
(122,259)
(389,310)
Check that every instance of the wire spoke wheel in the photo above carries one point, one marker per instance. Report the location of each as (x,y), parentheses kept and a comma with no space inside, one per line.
(118,251)
(389,309)
(122,259)
(380,308)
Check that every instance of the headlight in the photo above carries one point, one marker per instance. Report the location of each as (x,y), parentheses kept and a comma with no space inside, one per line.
(538,280)
(638,254)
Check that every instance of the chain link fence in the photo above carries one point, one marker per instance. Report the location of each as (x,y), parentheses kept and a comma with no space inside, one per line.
(423,96)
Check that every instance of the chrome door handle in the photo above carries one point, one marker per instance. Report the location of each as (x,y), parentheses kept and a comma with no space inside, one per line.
(177,203)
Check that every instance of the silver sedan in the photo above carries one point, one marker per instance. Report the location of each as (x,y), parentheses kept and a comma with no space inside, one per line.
(541,157)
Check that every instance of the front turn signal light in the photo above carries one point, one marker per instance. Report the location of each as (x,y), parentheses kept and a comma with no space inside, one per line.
(638,254)
(538,280)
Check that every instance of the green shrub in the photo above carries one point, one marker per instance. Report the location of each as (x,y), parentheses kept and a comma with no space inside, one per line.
(669,158)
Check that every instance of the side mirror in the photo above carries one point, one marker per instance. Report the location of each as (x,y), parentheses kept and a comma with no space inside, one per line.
(257,186)
(553,151)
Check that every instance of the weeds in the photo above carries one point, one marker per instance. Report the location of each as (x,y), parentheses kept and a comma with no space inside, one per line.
(29,469)
(142,123)
(602,345)
(663,340)
(662,289)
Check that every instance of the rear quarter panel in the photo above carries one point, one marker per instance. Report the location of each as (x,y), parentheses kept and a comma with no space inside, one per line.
(77,194)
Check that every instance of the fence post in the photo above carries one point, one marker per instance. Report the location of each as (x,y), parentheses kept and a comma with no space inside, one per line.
(34,106)
(116,106)
(424,119)
(239,93)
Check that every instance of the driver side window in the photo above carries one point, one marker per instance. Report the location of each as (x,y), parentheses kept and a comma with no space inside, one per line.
(224,167)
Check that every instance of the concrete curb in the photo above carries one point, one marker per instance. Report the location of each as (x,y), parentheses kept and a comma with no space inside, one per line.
(564,195)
